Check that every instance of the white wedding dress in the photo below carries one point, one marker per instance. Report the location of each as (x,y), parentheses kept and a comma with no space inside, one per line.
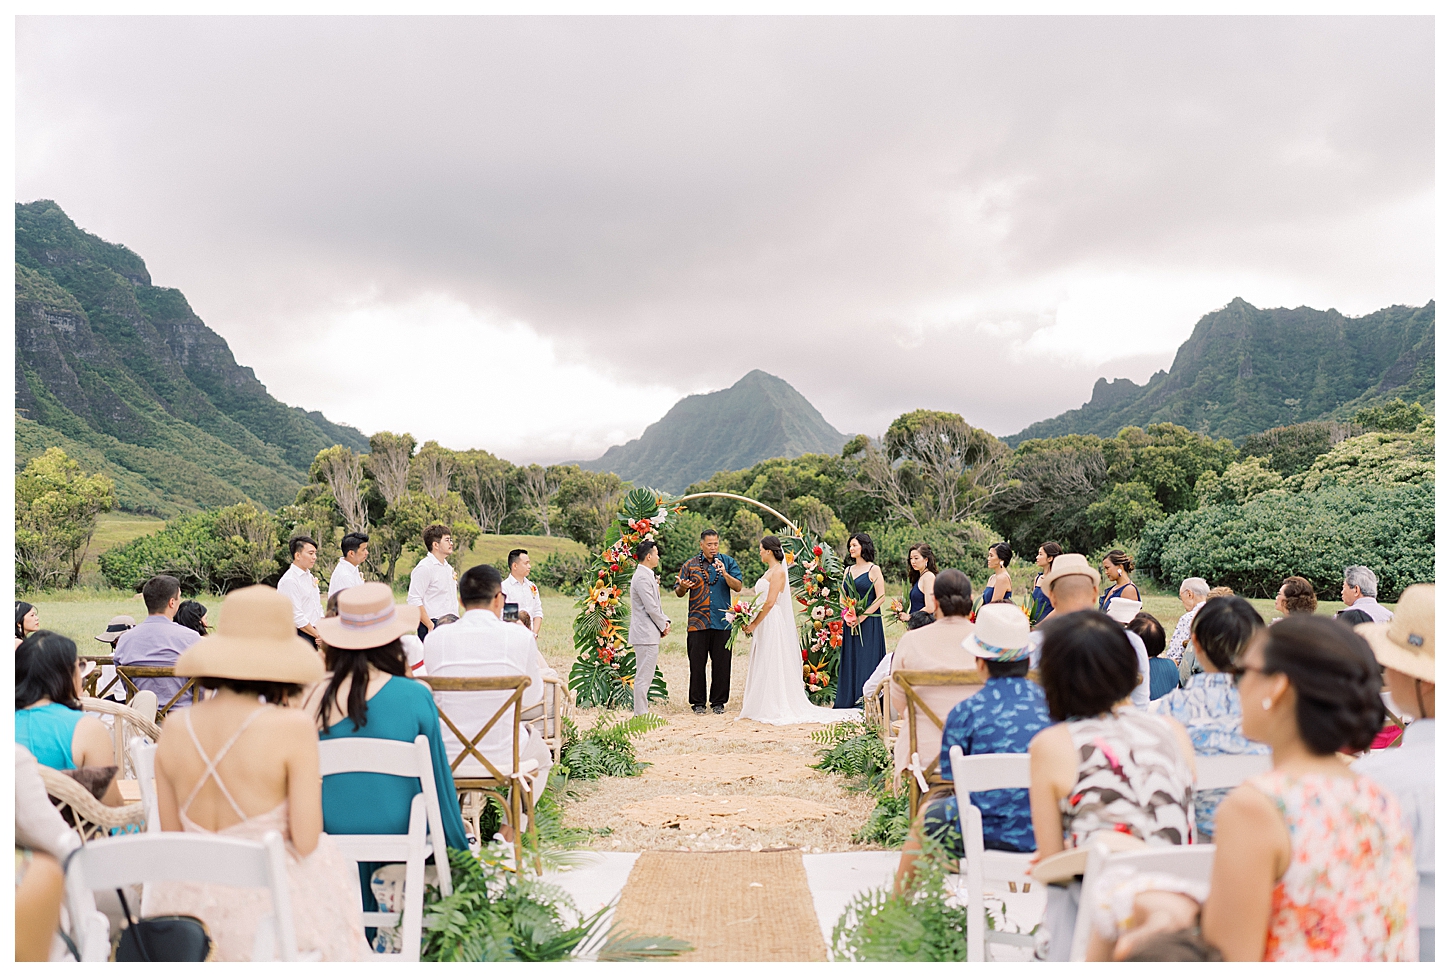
(775,692)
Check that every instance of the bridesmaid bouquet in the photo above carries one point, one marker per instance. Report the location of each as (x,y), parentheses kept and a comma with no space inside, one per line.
(740,614)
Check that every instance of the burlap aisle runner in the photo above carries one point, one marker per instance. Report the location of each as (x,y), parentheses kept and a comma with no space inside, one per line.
(734,905)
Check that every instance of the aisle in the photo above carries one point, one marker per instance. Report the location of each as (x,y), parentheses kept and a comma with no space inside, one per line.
(717,784)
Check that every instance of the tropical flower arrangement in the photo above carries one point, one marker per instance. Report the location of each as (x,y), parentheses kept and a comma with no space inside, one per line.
(741,613)
(815,579)
(603,673)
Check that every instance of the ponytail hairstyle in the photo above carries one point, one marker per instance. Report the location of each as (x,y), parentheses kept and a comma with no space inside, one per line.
(1336,681)
(1120,559)
(772,545)
(926,554)
(348,663)
(953,591)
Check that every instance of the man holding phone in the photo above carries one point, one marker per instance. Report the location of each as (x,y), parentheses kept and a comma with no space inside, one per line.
(709,577)
(519,592)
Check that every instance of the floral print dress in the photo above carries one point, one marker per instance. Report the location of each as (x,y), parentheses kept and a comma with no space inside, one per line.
(1131,777)
(1349,891)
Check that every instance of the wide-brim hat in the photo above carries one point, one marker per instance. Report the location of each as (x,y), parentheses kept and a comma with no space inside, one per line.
(254,641)
(1002,634)
(1068,864)
(1407,644)
(1070,565)
(1123,610)
(117,626)
(367,618)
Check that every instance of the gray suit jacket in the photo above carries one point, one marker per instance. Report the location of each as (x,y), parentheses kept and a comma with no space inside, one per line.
(647,619)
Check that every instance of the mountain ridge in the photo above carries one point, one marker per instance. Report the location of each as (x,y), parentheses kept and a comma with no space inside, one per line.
(1245,370)
(760,416)
(125,375)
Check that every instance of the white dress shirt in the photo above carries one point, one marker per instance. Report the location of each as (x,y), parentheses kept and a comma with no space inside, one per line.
(301,588)
(1408,772)
(344,575)
(431,588)
(526,595)
(479,644)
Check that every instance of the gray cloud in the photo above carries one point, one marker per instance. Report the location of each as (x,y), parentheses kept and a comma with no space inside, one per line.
(883,211)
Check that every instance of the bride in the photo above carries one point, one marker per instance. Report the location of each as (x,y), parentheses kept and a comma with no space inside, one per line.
(775,693)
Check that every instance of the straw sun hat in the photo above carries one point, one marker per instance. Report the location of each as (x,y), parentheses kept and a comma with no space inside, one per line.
(367,618)
(116,627)
(1407,644)
(1070,565)
(254,641)
(1001,635)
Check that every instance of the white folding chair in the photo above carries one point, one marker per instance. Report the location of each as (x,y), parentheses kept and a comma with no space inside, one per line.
(981,772)
(357,754)
(174,856)
(143,761)
(1191,862)
(1228,770)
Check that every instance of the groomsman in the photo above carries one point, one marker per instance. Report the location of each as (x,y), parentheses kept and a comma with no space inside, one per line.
(708,577)
(300,586)
(519,589)
(431,586)
(346,573)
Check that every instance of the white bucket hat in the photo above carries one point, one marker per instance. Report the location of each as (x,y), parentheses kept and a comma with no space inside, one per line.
(1123,610)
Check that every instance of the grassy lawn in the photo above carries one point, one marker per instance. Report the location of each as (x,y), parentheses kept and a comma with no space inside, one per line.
(114,529)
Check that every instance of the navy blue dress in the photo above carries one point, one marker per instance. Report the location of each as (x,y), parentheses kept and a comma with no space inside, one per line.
(918,599)
(860,654)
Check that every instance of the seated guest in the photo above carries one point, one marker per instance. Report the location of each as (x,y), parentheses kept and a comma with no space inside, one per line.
(48,718)
(1353,617)
(1208,706)
(192,614)
(158,641)
(368,693)
(115,627)
(1296,596)
(1360,593)
(935,648)
(480,644)
(1072,585)
(1406,649)
(1002,718)
(1105,769)
(1191,594)
(1313,862)
(27,621)
(240,764)
(1162,672)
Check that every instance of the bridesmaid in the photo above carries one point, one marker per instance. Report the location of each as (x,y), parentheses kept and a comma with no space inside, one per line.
(1038,606)
(923,579)
(1117,566)
(861,652)
(999,584)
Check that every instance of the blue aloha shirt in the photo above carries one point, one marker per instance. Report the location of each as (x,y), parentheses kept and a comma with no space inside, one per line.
(1002,718)
(1209,708)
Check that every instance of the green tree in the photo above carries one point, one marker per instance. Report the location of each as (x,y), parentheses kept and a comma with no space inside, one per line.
(1379,458)
(415,511)
(588,504)
(1123,511)
(432,470)
(1392,415)
(1239,482)
(483,483)
(56,506)
(341,470)
(212,551)
(931,466)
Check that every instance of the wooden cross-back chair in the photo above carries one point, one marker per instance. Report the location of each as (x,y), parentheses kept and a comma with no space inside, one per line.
(911,683)
(509,784)
(127,674)
(94,675)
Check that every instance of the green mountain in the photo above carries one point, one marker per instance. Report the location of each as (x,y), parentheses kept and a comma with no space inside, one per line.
(760,417)
(1245,370)
(128,380)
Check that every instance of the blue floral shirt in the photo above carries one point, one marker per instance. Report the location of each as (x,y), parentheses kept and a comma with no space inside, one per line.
(1002,718)
(1209,708)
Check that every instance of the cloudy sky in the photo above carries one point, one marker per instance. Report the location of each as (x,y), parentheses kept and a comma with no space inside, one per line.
(534,235)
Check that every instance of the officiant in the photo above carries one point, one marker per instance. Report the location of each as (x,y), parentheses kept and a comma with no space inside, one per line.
(709,577)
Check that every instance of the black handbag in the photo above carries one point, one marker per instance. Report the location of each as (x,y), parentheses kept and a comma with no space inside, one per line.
(162,939)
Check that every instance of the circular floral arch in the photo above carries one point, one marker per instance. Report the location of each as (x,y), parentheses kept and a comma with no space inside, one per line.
(603,673)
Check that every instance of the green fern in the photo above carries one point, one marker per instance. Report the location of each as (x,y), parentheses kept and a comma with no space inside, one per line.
(854,749)
(889,823)
(607,750)
(913,925)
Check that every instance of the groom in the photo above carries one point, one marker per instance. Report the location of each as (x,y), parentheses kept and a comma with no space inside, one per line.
(708,578)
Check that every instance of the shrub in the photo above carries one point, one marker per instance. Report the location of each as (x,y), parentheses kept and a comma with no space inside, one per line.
(563,572)
(1380,458)
(208,551)
(56,506)
(1254,546)
(962,545)
(917,924)
(607,749)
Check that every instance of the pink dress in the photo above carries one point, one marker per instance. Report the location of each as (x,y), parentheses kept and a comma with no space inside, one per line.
(326,901)
(1349,892)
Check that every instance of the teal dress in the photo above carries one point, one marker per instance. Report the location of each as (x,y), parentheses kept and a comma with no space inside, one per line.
(378,803)
(47,731)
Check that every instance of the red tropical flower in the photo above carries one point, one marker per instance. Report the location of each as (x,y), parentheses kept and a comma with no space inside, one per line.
(816,550)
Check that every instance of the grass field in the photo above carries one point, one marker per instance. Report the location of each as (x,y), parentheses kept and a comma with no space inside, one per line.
(114,529)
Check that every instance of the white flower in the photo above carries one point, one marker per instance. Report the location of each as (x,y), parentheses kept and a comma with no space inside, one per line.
(660,516)
(729,617)
(818,612)
(825,591)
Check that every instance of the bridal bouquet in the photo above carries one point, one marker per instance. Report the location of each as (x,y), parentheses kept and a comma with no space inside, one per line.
(740,614)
